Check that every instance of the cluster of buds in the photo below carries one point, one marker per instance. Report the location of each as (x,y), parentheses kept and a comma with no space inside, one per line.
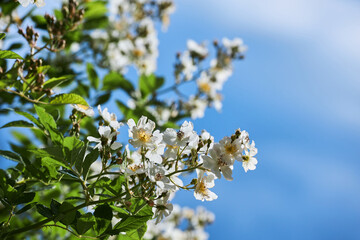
(72,17)
(30,35)
(158,159)
(35,77)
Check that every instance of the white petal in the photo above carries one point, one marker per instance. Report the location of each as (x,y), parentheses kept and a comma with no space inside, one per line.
(115,145)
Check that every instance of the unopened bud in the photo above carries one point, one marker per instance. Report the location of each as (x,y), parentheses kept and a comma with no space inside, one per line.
(151,203)
(194,181)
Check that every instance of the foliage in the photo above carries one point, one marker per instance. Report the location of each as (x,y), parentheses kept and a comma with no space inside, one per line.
(62,184)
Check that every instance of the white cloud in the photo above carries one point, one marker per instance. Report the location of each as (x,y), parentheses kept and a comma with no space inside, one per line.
(332,25)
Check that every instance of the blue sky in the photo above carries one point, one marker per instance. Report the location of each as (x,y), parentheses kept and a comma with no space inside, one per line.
(297,94)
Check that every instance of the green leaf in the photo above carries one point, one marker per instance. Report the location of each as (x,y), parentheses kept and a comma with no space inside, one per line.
(66,217)
(115,80)
(2,35)
(170,125)
(128,112)
(19,123)
(92,75)
(131,223)
(54,82)
(6,54)
(55,206)
(95,9)
(29,116)
(68,98)
(103,98)
(134,234)
(45,211)
(122,213)
(15,46)
(52,152)
(39,20)
(11,156)
(48,161)
(52,165)
(25,208)
(89,159)
(149,84)
(24,198)
(96,23)
(49,124)
(84,223)
(73,149)
(69,173)
(104,211)
(103,214)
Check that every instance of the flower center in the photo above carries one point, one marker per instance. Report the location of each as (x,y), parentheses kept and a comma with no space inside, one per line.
(180,135)
(245,158)
(158,177)
(205,87)
(230,149)
(221,163)
(134,167)
(202,188)
(138,53)
(144,136)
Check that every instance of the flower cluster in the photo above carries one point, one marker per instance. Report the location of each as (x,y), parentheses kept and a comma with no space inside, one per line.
(131,38)
(211,80)
(158,159)
(181,224)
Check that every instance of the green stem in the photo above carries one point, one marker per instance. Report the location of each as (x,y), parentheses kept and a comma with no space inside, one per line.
(185,170)
(23,96)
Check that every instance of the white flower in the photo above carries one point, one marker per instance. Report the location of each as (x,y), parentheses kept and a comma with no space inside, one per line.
(134,162)
(110,118)
(157,174)
(249,162)
(88,111)
(196,48)
(197,107)
(216,102)
(208,85)
(155,154)
(188,66)
(162,209)
(233,149)
(106,139)
(203,184)
(183,140)
(25,3)
(197,234)
(207,139)
(234,46)
(219,161)
(202,217)
(142,134)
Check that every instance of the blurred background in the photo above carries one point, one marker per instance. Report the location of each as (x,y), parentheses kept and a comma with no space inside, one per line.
(297,94)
